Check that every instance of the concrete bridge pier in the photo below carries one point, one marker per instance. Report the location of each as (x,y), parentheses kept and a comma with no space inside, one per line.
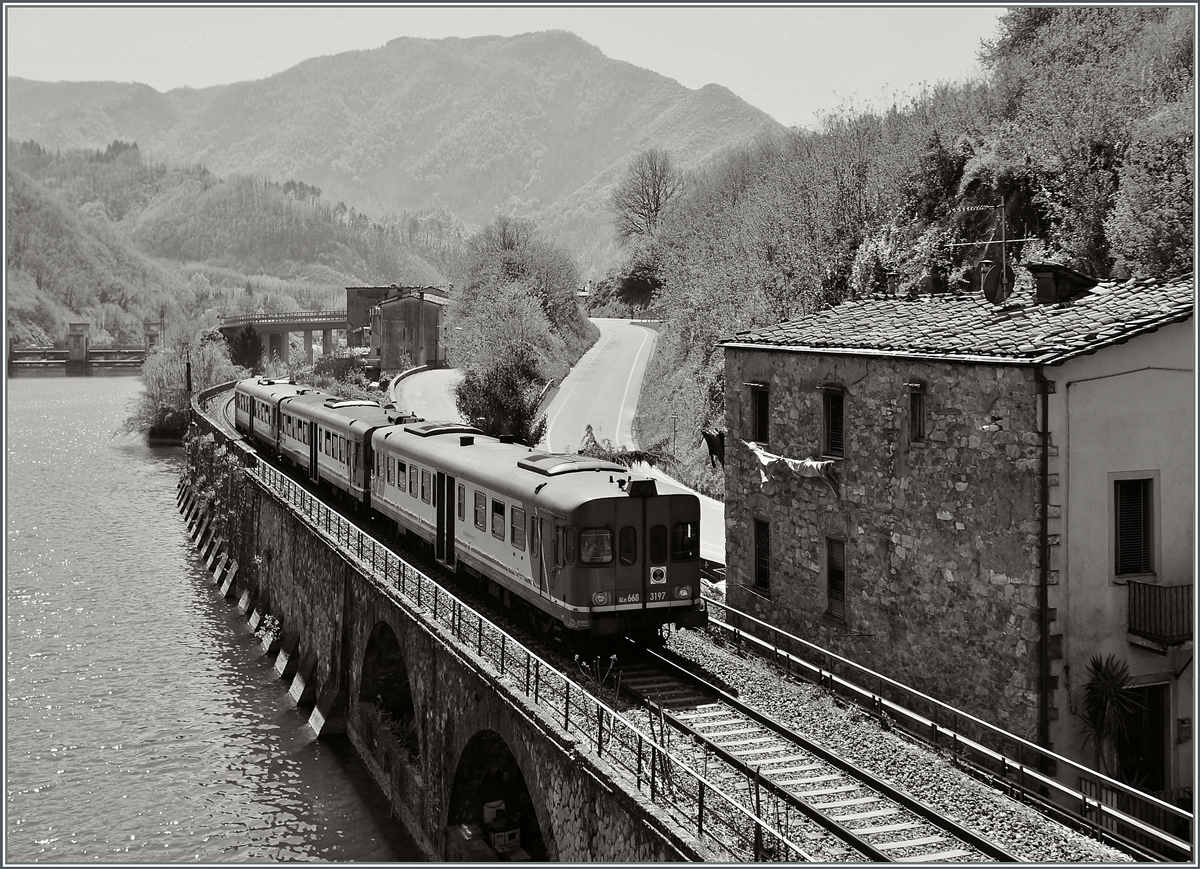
(326,342)
(308,346)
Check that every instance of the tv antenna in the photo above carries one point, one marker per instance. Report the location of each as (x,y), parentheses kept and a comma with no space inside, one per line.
(996,282)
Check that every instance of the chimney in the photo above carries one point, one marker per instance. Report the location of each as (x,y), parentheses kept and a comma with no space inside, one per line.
(1056,283)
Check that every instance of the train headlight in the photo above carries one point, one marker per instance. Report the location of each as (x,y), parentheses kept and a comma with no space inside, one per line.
(683,592)
(600,598)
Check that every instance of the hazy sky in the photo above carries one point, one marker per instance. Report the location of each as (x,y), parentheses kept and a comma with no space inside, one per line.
(791,61)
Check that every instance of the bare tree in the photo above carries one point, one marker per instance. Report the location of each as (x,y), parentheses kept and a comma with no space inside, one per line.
(641,197)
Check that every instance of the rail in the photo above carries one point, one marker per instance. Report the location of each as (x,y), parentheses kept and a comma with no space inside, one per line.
(687,797)
(945,726)
(291,317)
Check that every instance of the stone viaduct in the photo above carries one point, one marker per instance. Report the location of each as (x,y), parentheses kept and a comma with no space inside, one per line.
(442,731)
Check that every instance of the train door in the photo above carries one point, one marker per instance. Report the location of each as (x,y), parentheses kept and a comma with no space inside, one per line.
(312,450)
(537,560)
(656,513)
(444,500)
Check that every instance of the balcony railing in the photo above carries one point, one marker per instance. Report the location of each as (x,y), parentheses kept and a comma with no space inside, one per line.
(1161,613)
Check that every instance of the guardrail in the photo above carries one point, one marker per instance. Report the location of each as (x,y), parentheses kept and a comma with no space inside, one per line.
(687,797)
(945,726)
(292,317)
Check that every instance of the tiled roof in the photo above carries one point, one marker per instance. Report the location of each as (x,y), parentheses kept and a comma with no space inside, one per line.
(969,328)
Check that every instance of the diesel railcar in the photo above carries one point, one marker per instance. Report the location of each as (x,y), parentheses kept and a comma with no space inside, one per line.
(583,544)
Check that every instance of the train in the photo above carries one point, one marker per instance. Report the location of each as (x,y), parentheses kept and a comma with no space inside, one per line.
(587,548)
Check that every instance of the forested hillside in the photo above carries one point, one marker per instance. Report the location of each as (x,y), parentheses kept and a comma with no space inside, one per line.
(109,237)
(537,125)
(1082,126)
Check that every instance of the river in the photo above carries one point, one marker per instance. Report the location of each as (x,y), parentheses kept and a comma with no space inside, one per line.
(143,722)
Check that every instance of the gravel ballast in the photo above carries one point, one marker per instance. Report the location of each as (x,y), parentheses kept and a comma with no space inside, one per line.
(901,760)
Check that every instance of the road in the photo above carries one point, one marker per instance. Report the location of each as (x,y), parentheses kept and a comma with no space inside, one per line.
(430,394)
(602,390)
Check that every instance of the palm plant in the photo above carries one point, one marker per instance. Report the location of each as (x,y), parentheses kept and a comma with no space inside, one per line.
(1110,711)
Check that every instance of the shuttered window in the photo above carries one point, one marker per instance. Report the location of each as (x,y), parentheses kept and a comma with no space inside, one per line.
(760,401)
(836,570)
(762,554)
(916,416)
(1134,538)
(833,424)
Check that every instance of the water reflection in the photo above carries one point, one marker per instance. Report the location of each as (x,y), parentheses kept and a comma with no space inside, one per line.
(143,722)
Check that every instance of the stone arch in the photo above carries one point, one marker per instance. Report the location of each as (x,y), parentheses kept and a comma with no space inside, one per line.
(386,687)
(487,771)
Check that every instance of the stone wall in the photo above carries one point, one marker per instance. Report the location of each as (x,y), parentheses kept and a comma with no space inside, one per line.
(585,809)
(941,536)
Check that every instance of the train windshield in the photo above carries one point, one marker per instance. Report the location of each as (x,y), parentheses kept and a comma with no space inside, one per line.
(595,546)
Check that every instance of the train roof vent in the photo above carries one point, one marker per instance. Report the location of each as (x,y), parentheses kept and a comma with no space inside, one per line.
(428,429)
(335,402)
(552,464)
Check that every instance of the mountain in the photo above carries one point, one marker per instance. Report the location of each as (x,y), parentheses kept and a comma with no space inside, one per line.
(538,125)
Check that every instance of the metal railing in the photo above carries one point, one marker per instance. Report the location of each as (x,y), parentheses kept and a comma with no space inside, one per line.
(291,317)
(687,797)
(1018,764)
(1162,613)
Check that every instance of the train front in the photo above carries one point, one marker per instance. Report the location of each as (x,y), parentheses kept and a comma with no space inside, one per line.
(638,560)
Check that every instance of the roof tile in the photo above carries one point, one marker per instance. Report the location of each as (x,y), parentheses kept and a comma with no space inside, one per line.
(969,327)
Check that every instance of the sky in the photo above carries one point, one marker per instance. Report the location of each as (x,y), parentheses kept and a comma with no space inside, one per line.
(794,62)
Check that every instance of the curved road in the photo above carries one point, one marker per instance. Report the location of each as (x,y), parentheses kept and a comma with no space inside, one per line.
(602,390)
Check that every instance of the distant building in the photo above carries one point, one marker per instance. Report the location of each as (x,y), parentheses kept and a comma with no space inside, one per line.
(401,325)
(976,499)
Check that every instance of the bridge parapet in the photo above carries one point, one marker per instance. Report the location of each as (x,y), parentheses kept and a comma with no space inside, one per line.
(299,320)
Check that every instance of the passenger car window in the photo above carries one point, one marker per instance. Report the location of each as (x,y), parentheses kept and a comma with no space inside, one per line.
(685,541)
(517,531)
(498,519)
(481,511)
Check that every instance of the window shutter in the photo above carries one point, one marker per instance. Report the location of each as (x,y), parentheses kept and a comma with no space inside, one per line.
(762,554)
(837,577)
(833,424)
(1133,526)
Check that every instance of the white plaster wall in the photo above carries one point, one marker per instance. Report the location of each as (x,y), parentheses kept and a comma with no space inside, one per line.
(1128,408)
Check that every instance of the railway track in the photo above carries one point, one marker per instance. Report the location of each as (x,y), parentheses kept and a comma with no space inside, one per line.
(789,778)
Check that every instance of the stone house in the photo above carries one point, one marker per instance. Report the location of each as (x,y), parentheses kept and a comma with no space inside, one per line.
(976,499)
(400,325)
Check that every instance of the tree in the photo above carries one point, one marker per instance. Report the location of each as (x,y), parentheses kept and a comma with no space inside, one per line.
(504,399)
(1151,226)
(246,348)
(650,185)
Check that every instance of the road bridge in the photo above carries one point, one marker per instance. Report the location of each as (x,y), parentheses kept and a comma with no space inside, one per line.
(277,328)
